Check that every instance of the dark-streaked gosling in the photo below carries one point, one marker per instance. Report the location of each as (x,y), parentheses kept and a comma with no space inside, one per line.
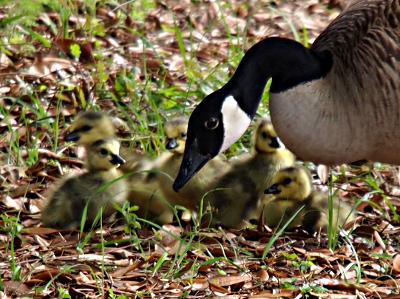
(162,197)
(292,188)
(95,188)
(144,188)
(91,125)
(337,102)
(150,193)
(243,186)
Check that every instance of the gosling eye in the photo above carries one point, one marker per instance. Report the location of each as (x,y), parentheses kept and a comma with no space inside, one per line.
(104,152)
(184,134)
(212,123)
(264,135)
(86,128)
(287,181)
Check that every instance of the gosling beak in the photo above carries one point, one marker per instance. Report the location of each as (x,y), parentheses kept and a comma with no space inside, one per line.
(171,144)
(192,162)
(117,160)
(275,142)
(272,190)
(72,136)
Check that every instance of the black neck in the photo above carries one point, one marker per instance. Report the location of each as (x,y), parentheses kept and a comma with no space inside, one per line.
(287,62)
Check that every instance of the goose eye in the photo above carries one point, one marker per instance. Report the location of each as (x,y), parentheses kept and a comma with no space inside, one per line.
(104,152)
(212,123)
(86,128)
(287,181)
(264,135)
(183,134)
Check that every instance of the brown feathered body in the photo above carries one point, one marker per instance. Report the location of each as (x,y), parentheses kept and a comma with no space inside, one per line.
(353,113)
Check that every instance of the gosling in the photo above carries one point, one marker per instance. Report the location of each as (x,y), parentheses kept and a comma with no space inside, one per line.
(98,189)
(92,125)
(169,163)
(89,126)
(293,191)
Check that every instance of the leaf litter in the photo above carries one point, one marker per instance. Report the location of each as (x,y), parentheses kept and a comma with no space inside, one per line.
(172,261)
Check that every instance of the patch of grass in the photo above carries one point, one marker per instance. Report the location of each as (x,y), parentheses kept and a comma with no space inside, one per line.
(299,263)
(279,232)
(12,227)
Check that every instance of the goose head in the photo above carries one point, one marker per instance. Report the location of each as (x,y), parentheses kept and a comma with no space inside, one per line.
(103,154)
(216,123)
(90,126)
(176,133)
(291,183)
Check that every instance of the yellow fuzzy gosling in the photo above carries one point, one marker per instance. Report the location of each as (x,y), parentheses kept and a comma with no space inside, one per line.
(93,125)
(292,188)
(147,193)
(93,188)
(90,126)
(244,184)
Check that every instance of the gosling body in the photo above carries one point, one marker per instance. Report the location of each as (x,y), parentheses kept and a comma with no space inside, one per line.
(98,188)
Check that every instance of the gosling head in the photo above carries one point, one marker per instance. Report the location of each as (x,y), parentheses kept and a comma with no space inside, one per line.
(176,132)
(292,183)
(90,126)
(266,141)
(103,154)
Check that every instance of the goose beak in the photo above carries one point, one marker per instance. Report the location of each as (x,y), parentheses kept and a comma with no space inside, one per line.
(117,160)
(272,190)
(192,162)
(72,136)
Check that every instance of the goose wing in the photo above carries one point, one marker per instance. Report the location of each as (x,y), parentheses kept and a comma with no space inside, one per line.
(365,43)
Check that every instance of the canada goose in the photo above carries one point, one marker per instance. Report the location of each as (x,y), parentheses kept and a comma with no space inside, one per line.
(293,189)
(243,185)
(95,188)
(337,102)
(162,198)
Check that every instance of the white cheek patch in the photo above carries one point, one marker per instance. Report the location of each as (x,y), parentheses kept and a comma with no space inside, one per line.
(235,122)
